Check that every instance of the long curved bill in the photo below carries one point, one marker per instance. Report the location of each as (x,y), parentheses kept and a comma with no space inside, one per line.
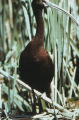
(52,5)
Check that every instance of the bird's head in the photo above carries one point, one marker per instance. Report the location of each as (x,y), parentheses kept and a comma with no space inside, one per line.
(37,4)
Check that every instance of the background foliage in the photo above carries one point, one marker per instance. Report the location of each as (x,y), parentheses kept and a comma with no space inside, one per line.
(61,40)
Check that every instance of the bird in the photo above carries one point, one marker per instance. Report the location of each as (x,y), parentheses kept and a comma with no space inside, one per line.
(35,65)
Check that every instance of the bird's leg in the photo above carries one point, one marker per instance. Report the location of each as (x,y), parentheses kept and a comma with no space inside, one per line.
(34,102)
(40,105)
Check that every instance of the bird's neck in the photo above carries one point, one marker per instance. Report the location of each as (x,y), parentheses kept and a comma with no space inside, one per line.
(40,26)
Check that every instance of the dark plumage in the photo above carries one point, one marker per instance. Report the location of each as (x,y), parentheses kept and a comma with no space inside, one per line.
(35,65)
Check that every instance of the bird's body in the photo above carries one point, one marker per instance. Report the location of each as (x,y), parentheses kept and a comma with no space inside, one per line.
(35,65)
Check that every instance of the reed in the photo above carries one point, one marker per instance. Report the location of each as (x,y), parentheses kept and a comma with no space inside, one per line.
(17,28)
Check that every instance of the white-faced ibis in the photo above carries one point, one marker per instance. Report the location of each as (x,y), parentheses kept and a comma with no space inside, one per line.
(35,65)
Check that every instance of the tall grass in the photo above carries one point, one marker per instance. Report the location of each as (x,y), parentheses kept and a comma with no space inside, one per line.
(17,28)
